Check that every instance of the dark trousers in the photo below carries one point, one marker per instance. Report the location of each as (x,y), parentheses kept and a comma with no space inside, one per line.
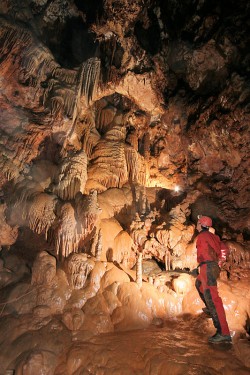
(206,284)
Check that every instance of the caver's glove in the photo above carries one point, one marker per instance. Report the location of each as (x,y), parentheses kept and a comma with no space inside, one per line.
(194,272)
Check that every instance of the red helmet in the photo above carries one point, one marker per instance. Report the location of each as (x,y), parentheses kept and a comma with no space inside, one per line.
(205,221)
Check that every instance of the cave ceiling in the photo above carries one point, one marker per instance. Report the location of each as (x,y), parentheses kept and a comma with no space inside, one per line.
(99,95)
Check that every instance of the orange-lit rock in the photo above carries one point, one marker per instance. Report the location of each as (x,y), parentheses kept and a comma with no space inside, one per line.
(120,122)
(8,234)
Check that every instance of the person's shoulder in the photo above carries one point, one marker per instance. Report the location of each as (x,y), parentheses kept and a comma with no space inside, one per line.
(208,234)
(211,234)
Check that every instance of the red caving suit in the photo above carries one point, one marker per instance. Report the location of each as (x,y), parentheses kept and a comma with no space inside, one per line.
(211,252)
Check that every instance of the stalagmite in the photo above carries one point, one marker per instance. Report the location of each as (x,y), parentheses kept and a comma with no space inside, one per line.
(99,246)
(139,270)
(78,267)
(167,260)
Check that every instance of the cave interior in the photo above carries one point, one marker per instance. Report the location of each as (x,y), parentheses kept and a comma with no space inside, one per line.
(121,121)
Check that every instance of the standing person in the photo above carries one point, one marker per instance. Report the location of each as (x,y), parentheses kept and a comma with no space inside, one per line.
(211,253)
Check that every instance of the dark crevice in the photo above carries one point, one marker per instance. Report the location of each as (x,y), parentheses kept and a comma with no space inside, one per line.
(149,38)
(72,44)
(92,9)
(111,54)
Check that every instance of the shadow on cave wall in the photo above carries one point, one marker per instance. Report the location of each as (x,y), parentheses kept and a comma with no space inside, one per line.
(168,199)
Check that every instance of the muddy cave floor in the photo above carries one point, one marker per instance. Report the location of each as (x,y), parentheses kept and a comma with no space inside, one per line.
(178,347)
(174,347)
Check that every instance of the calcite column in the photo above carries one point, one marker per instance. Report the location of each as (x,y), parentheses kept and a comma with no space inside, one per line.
(139,270)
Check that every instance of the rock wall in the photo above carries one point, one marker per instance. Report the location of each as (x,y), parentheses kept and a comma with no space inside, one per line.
(120,122)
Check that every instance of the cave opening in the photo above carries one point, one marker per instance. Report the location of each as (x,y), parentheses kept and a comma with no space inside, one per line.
(72,43)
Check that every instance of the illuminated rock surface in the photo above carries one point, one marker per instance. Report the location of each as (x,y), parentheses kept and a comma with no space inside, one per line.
(120,122)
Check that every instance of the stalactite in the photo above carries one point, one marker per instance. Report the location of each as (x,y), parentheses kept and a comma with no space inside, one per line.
(87,213)
(104,117)
(9,169)
(162,236)
(90,140)
(119,163)
(136,165)
(109,166)
(25,190)
(27,144)
(89,77)
(72,177)
(86,131)
(11,34)
(132,163)
(50,85)
(65,75)
(69,102)
(41,215)
(63,98)
(65,234)
(237,255)
(73,225)
(146,146)
(36,61)
(57,104)
(87,81)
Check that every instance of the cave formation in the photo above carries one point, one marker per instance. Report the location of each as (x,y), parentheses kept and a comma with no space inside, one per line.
(120,122)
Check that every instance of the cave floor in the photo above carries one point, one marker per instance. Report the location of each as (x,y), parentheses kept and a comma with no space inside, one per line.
(178,347)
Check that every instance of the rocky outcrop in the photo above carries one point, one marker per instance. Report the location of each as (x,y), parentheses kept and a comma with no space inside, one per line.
(120,122)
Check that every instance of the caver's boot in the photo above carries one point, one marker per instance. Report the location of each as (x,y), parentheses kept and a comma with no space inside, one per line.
(218,338)
(207,312)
